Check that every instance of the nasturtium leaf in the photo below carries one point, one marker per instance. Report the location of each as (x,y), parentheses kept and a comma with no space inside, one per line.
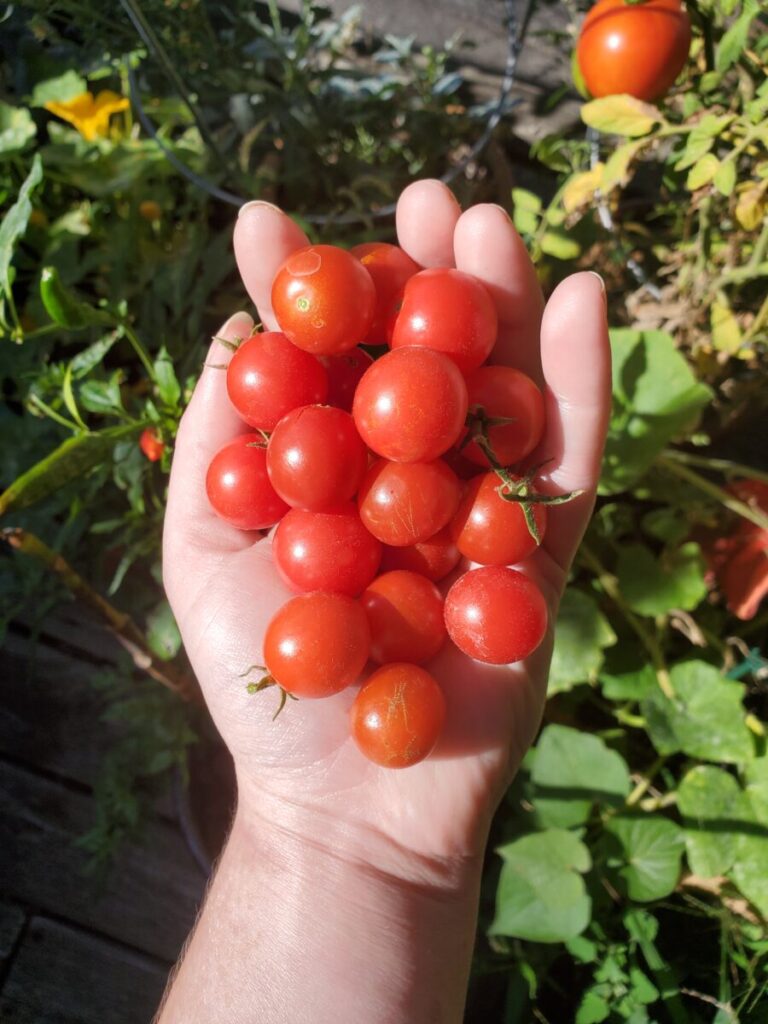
(572,771)
(749,869)
(541,896)
(704,720)
(644,859)
(581,634)
(621,115)
(756,779)
(666,524)
(627,673)
(594,1006)
(654,585)
(710,802)
(16,129)
(61,88)
(655,398)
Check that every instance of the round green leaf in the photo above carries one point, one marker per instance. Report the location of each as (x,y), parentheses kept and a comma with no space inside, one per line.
(653,586)
(581,634)
(627,673)
(710,801)
(541,895)
(573,770)
(749,869)
(644,857)
(16,129)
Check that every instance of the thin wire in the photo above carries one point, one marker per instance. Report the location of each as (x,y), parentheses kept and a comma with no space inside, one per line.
(516,31)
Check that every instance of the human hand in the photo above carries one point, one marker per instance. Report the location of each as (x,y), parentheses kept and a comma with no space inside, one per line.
(302,772)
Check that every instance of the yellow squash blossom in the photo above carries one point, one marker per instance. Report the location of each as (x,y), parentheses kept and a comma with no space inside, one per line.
(88,113)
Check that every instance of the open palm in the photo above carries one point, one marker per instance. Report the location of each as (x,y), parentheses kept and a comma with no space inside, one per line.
(303,768)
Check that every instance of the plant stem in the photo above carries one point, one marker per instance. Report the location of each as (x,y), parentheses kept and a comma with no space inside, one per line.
(610,586)
(121,624)
(642,786)
(707,487)
(139,349)
(51,413)
(719,465)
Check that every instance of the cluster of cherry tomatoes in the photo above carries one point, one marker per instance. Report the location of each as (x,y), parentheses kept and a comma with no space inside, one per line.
(360,462)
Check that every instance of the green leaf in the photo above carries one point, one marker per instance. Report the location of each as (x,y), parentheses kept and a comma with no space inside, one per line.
(594,1006)
(621,115)
(724,179)
(734,39)
(749,869)
(645,857)
(66,308)
(705,719)
(756,778)
(654,585)
(163,634)
(92,355)
(69,398)
(102,396)
(526,211)
(15,222)
(701,139)
(560,245)
(581,634)
(666,524)
(541,896)
(655,398)
(72,459)
(627,673)
(62,88)
(16,129)
(573,770)
(702,172)
(709,800)
(165,377)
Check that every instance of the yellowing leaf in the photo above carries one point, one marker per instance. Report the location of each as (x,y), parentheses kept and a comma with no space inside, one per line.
(616,170)
(751,207)
(726,333)
(560,245)
(621,115)
(725,177)
(702,172)
(581,188)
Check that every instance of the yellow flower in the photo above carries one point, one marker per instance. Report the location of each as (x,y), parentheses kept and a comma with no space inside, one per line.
(88,113)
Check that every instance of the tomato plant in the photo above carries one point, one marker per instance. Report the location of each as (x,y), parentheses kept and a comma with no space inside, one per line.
(509,408)
(634,48)
(496,615)
(324,300)
(410,406)
(398,715)
(434,557)
(405,613)
(492,530)
(450,312)
(317,644)
(404,503)
(268,376)
(238,486)
(152,445)
(315,458)
(344,374)
(329,550)
(389,268)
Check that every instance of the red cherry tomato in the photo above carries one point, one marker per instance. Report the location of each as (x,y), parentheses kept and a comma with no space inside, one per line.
(315,458)
(448,311)
(406,503)
(496,615)
(491,531)
(152,446)
(504,392)
(317,644)
(398,715)
(433,558)
(405,613)
(635,48)
(390,268)
(324,299)
(329,550)
(344,374)
(238,486)
(411,405)
(268,376)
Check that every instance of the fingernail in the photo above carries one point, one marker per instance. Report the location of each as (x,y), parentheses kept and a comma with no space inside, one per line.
(256,203)
(496,206)
(594,273)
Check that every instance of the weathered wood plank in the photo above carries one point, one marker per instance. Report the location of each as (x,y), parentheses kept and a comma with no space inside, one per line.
(150,897)
(12,919)
(62,975)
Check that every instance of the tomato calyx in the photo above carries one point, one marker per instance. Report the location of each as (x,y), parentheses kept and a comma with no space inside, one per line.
(265,436)
(265,683)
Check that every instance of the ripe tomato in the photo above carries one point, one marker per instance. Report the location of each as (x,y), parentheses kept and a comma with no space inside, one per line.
(152,446)
(448,311)
(324,299)
(496,615)
(405,613)
(317,644)
(398,715)
(504,392)
(390,268)
(635,48)
(329,550)
(344,374)
(433,558)
(315,458)
(268,376)
(406,503)
(411,405)
(238,486)
(489,530)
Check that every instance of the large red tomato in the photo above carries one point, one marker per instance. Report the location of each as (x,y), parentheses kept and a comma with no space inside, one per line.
(635,48)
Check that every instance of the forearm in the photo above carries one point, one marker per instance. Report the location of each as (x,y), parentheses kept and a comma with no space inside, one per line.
(293,932)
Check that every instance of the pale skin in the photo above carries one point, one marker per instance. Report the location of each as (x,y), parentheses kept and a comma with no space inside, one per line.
(348,892)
